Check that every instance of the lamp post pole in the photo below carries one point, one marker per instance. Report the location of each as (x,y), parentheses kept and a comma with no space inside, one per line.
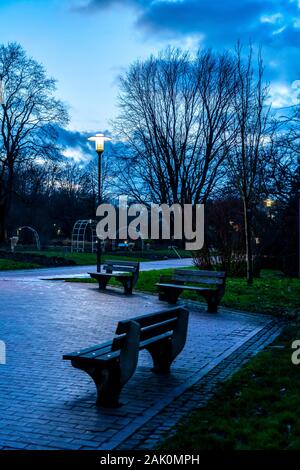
(99,247)
(99,140)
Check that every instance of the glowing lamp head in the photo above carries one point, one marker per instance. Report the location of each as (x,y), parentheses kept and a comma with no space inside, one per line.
(269,202)
(99,140)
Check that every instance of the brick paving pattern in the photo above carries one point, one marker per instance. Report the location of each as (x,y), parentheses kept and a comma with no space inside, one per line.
(164,424)
(47,404)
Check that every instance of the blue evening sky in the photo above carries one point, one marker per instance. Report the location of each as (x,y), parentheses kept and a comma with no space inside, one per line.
(86,44)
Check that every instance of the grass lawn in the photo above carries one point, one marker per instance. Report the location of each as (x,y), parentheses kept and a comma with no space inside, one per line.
(259,408)
(90,258)
(83,259)
(6,265)
(271,293)
(80,259)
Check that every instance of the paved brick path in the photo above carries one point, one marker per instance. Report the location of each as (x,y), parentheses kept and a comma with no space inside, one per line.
(81,271)
(47,404)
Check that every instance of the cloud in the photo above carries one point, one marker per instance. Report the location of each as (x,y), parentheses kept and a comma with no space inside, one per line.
(284,95)
(202,16)
(271,22)
(94,5)
(75,145)
(274,24)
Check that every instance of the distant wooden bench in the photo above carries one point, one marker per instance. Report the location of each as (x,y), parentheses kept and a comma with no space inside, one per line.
(208,284)
(127,272)
(111,364)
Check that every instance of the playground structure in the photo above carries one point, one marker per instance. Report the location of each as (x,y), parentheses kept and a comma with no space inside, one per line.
(15,239)
(79,236)
(80,244)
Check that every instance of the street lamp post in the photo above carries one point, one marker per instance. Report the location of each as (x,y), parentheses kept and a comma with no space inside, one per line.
(99,140)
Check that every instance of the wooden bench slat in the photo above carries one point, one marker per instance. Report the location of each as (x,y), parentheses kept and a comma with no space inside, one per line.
(103,275)
(127,264)
(153,331)
(95,354)
(185,287)
(89,354)
(123,269)
(200,280)
(102,359)
(154,340)
(93,348)
(149,319)
(200,272)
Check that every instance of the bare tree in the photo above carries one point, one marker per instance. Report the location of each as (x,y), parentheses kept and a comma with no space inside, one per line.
(249,156)
(175,115)
(283,170)
(29,117)
(286,185)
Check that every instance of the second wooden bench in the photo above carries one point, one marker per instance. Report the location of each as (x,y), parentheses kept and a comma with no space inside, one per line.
(208,284)
(127,272)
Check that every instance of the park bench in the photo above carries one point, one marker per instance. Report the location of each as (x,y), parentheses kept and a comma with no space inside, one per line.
(111,364)
(127,272)
(208,284)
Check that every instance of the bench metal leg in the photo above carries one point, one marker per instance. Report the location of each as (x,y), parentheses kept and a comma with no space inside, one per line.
(108,387)
(164,352)
(103,283)
(169,294)
(128,285)
(213,301)
(161,354)
(107,381)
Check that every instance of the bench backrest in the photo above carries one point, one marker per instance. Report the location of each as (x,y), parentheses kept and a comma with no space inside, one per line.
(140,332)
(216,278)
(173,320)
(133,267)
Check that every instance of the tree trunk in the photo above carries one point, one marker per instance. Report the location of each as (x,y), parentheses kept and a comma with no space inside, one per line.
(248,239)
(3,219)
(6,200)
